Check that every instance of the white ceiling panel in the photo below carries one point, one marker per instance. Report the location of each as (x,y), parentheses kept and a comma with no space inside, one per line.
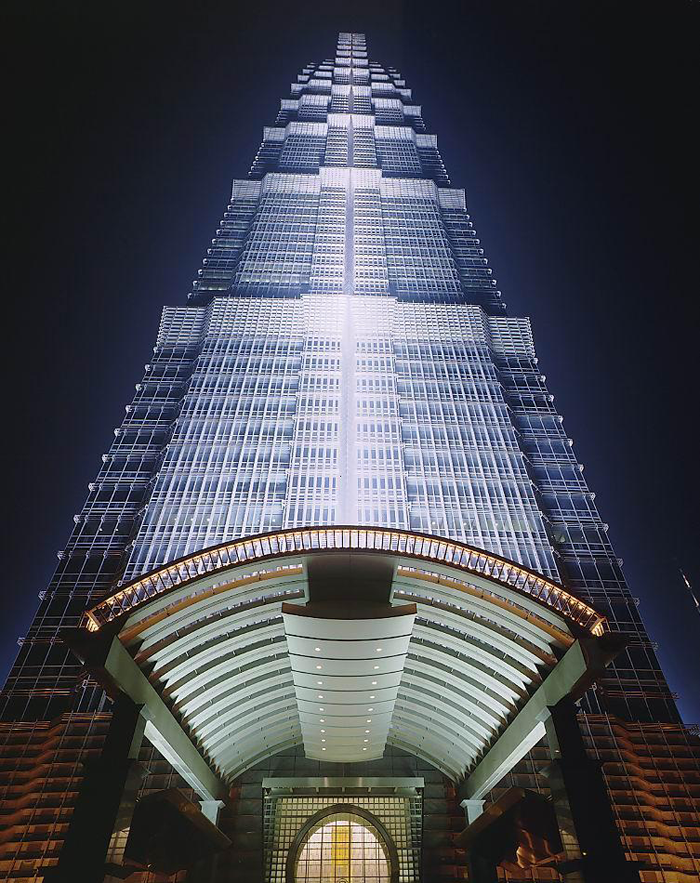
(249,665)
(346,658)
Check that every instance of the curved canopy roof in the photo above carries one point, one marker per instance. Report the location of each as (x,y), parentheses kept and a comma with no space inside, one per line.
(404,639)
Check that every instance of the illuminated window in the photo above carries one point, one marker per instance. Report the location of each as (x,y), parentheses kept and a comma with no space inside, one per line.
(343,848)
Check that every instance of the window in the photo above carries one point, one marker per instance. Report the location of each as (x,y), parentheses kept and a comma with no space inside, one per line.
(343,848)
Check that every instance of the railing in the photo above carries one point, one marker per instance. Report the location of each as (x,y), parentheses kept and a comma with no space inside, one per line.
(314,539)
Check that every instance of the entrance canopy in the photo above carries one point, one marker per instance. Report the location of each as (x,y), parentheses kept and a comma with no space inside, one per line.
(343,640)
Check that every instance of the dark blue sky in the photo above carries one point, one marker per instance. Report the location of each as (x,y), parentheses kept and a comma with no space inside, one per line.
(569,124)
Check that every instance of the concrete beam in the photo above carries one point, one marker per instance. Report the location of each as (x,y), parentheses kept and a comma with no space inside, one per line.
(162,729)
(110,662)
(582,663)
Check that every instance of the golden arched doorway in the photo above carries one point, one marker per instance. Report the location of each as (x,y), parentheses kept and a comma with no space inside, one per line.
(342,844)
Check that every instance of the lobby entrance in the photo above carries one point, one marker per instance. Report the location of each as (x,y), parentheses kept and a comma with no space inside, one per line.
(341,847)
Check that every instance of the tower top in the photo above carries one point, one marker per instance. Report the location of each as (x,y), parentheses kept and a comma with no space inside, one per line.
(351,42)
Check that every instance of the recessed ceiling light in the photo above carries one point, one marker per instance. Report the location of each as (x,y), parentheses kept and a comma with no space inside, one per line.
(319,666)
(320,683)
(366,731)
(323,749)
(365,740)
(323,731)
(364,749)
(320,696)
(379,649)
(320,709)
(323,720)
(323,740)
(376,666)
(374,683)
(369,720)
(317,649)
(371,697)
(370,709)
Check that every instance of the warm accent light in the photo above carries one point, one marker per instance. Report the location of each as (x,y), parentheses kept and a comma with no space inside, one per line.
(293,541)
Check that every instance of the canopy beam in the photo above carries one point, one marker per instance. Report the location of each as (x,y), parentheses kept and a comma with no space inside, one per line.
(580,666)
(111,664)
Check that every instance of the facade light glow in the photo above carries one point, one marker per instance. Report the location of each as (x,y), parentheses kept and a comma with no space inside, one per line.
(343,382)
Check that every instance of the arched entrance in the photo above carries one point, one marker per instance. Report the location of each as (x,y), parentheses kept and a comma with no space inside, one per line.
(342,844)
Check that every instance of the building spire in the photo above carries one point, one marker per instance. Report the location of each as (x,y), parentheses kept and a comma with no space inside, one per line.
(690,589)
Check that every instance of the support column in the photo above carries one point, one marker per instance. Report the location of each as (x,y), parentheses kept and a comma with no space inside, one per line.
(211,809)
(592,848)
(481,868)
(472,809)
(97,810)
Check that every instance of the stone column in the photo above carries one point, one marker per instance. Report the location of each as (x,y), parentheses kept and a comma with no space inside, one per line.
(481,868)
(103,802)
(593,852)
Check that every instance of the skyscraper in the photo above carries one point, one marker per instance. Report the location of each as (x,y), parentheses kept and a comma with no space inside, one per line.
(343,358)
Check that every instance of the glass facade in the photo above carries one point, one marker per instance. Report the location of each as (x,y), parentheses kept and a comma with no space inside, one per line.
(340,851)
(342,845)
(344,357)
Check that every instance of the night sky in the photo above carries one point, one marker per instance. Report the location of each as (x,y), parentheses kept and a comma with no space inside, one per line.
(569,124)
